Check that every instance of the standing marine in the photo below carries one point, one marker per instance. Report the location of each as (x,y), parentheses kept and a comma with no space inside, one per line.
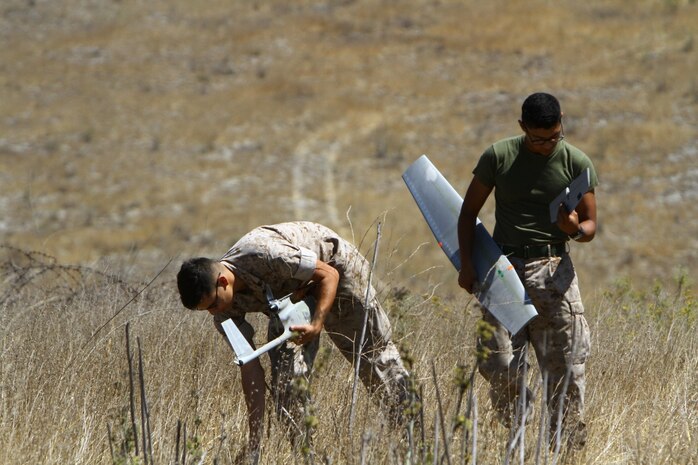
(526,173)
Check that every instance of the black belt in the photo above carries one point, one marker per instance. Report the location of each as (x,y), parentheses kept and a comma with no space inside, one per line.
(536,250)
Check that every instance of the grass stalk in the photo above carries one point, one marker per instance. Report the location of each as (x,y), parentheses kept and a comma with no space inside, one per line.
(410,442)
(365,440)
(145,414)
(468,387)
(473,459)
(179,431)
(542,443)
(524,411)
(560,416)
(184,444)
(435,454)
(132,401)
(422,426)
(441,415)
(360,346)
(111,445)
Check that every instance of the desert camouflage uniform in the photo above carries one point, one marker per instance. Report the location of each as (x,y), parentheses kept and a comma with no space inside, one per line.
(561,340)
(280,259)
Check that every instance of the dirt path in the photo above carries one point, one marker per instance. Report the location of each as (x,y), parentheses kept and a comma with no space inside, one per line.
(315,169)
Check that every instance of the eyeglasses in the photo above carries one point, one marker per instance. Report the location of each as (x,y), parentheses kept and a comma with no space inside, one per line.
(214,304)
(551,140)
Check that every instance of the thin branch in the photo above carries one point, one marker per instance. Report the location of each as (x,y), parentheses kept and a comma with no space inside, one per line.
(475,418)
(145,427)
(359,348)
(127,303)
(184,444)
(441,415)
(179,431)
(111,446)
(132,401)
(544,414)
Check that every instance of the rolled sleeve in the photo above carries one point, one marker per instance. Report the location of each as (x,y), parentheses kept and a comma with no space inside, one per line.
(306,266)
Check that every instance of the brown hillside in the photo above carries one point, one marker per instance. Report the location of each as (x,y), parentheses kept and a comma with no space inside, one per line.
(141,130)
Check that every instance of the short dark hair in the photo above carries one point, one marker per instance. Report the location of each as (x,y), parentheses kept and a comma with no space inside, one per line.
(195,280)
(540,110)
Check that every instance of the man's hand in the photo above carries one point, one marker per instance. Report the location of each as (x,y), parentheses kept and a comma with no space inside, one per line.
(583,216)
(467,278)
(567,222)
(306,333)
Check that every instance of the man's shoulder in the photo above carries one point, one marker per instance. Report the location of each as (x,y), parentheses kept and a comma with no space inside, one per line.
(249,249)
(507,145)
(574,151)
(579,161)
(503,151)
(577,157)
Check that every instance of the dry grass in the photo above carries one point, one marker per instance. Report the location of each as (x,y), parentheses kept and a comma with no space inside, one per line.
(134,132)
(62,387)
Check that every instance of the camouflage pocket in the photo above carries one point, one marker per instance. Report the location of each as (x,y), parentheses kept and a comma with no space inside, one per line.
(563,279)
(537,273)
(580,346)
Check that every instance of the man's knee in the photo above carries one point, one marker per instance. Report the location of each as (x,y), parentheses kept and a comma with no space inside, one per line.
(494,366)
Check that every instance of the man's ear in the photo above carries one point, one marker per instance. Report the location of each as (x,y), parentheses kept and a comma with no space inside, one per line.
(223,281)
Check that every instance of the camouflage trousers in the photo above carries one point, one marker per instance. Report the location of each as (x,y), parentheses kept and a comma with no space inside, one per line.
(381,369)
(561,340)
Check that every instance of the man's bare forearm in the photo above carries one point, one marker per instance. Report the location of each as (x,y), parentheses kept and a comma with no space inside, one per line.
(326,279)
(466,234)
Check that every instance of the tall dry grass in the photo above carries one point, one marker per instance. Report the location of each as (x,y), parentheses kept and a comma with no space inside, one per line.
(64,388)
(135,130)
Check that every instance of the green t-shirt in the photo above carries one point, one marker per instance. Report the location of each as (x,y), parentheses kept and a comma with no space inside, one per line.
(524,185)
